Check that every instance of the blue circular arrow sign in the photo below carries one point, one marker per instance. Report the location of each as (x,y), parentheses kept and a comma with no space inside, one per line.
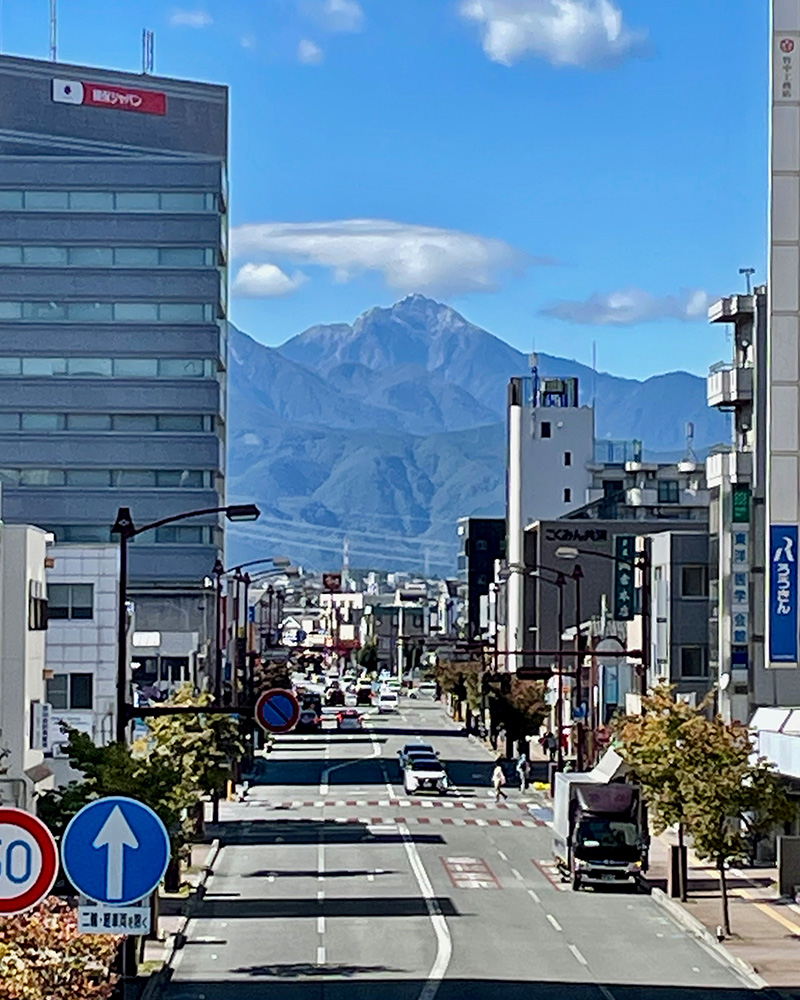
(277,711)
(115,850)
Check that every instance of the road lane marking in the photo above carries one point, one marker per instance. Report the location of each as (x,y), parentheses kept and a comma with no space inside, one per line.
(606,992)
(320,862)
(321,955)
(324,785)
(320,895)
(534,896)
(516,874)
(503,856)
(320,925)
(444,943)
(554,922)
(574,949)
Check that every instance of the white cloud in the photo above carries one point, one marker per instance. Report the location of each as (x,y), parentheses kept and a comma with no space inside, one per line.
(341,15)
(266,281)
(565,32)
(191,19)
(309,53)
(631,307)
(411,258)
(248,41)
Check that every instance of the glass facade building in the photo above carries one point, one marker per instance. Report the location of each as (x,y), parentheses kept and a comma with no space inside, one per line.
(113,299)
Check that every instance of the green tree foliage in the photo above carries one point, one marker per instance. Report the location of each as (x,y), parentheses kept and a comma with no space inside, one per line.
(368,657)
(526,700)
(183,758)
(699,772)
(44,957)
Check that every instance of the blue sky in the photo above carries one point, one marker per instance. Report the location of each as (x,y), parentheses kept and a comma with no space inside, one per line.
(560,171)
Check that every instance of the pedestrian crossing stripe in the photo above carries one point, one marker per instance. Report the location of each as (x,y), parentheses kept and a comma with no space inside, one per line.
(387,803)
(383,821)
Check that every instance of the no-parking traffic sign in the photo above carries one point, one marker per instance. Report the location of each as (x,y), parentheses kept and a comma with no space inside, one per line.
(28,861)
(277,711)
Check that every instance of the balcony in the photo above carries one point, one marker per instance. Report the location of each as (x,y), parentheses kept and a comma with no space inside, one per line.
(729,387)
(729,466)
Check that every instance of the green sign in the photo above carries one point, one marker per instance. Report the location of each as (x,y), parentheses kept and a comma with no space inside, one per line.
(741,505)
(624,579)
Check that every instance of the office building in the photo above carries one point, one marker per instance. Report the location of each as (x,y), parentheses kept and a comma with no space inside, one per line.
(482,540)
(113,289)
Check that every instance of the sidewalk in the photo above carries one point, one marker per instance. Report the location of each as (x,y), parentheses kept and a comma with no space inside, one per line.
(765,928)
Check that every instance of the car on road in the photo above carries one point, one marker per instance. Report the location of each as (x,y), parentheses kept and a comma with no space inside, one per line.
(415,750)
(364,695)
(426,690)
(348,718)
(309,721)
(388,702)
(425,774)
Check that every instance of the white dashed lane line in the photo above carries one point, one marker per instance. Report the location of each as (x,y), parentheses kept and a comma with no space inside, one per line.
(574,949)
(556,925)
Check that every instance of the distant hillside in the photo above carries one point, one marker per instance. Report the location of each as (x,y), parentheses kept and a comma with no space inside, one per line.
(388,430)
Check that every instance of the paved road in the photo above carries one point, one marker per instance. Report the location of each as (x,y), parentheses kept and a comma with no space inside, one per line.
(332,884)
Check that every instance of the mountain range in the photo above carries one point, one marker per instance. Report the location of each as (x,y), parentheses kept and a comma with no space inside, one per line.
(386,431)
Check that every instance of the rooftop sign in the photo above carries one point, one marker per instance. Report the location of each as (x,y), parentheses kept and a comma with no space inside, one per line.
(107,95)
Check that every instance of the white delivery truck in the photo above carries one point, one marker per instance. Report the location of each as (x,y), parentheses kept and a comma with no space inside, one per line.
(600,833)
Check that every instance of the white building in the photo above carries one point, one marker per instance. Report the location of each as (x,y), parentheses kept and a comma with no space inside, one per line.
(23,621)
(82,592)
(550,451)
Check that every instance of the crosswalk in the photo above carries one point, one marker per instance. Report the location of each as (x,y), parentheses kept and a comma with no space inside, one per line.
(467,804)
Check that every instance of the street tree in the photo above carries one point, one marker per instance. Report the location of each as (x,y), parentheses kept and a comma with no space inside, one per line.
(656,745)
(731,799)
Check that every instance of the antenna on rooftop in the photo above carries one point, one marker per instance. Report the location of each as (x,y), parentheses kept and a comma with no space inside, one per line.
(53,32)
(594,372)
(690,454)
(148,51)
(748,273)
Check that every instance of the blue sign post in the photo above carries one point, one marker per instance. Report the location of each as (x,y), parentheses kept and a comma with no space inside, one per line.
(783,619)
(115,850)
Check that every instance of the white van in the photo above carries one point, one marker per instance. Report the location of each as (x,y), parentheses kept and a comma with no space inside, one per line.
(388,702)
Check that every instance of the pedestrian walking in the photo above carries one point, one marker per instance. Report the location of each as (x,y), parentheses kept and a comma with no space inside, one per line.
(502,738)
(498,780)
(523,772)
(549,744)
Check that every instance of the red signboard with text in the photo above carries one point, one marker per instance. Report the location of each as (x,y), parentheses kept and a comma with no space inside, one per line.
(107,95)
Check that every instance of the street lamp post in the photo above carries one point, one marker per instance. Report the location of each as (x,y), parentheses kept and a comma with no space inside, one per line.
(218,646)
(126,529)
(561,579)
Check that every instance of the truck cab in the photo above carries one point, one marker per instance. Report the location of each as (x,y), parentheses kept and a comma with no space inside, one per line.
(600,833)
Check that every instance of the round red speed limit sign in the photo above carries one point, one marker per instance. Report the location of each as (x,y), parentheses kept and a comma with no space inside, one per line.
(28,861)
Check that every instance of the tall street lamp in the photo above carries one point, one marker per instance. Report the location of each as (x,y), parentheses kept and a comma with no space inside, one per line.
(561,578)
(126,529)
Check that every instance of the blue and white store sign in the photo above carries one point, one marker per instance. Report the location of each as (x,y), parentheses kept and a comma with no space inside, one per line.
(783,620)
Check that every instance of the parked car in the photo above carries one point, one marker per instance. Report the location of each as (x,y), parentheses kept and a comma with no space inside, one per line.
(309,721)
(348,718)
(425,774)
(388,702)
(427,690)
(415,749)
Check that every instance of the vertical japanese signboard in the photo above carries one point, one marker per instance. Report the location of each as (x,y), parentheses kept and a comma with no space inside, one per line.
(783,349)
(624,579)
(783,594)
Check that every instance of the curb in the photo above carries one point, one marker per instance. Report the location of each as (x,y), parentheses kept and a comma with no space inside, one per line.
(698,930)
(159,979)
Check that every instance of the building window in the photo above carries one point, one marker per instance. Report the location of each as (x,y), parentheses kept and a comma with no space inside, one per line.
(109,201)
(70,691)
(567,458)
(668,491)
(481,545)
(567,496)
(13,367)
(37,607)
(71,601)
(694,581)
(694,661)
(546,429)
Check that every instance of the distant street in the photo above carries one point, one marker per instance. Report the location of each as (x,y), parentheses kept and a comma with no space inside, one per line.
(332,884)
